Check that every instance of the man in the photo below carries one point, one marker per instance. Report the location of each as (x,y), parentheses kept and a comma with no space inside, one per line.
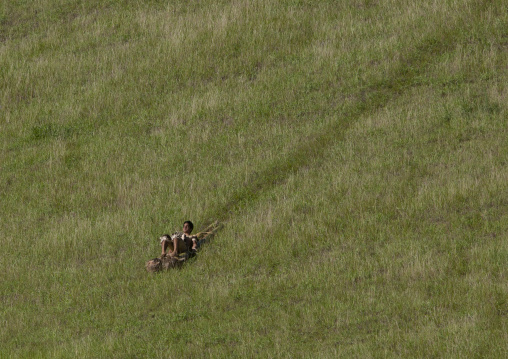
(179,242)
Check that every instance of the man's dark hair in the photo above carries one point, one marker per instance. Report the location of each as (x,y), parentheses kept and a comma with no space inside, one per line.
(190,224)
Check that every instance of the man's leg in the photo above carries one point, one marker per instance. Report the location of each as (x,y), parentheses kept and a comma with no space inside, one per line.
(179,246)
(165,244)
(174,250)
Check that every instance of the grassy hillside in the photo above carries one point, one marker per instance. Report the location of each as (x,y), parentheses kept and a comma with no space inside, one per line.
(356,153)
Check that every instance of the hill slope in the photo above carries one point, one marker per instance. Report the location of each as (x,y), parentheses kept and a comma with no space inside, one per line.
(355,152)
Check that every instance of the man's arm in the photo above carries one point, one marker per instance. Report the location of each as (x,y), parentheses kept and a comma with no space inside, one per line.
(194,240)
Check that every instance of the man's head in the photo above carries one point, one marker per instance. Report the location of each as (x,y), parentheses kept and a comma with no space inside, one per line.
(187,227)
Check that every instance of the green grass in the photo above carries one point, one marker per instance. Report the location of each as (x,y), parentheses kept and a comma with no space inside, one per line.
(355,152)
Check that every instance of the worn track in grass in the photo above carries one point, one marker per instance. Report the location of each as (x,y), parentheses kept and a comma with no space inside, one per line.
(368,99)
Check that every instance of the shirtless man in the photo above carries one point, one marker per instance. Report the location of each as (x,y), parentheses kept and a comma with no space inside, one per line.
(179,242)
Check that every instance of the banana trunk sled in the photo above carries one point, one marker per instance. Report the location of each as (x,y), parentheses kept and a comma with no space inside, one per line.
(165,262)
